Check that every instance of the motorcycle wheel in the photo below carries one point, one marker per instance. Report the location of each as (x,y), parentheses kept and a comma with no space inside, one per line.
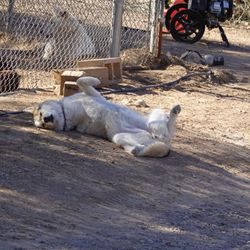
(187,26)
(170,13)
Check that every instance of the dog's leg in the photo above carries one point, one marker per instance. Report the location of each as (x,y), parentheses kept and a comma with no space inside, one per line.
(141,144)
(49,49)
(128,141)
(172,119)
(157,124)
(156,115)
(87,84)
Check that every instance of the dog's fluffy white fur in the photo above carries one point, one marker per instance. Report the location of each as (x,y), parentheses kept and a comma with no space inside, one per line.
(89,112)
(68,38)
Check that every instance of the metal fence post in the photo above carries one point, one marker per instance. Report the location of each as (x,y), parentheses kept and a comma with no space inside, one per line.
(9,14)
(155,13)
(117,12)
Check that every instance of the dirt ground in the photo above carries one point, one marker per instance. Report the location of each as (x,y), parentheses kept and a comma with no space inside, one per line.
(72,191)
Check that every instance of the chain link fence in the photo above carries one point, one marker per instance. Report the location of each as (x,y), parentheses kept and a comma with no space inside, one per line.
(37,36)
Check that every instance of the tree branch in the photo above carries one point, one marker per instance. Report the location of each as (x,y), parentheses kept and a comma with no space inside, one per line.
(166,86)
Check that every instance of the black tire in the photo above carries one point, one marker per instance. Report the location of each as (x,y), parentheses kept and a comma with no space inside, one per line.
(170,11)
(187,26)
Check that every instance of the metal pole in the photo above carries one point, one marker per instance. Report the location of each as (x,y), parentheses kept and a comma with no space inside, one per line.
(116,28)
(161,23)
(155,8)
(152,24)
(9,14)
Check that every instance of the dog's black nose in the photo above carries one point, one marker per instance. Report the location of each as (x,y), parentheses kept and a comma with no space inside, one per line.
(48,119)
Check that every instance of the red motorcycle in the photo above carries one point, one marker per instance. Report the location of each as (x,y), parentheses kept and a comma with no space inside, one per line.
(186,19)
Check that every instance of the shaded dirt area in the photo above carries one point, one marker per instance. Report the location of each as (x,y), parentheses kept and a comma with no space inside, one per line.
(72,191)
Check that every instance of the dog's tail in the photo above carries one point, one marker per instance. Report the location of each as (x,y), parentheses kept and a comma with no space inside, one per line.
(86,84)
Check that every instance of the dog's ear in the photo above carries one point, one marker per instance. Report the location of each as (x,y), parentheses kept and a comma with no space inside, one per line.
(56,10)
(36,109)
(39,107)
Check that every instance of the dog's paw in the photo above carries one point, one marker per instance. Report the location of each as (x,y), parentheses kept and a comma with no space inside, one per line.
(176,109)
(137,150)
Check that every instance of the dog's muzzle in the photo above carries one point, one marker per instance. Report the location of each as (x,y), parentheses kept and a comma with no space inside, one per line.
(48,119)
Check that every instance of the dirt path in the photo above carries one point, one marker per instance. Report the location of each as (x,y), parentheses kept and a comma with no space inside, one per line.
(236,57)
(71,191)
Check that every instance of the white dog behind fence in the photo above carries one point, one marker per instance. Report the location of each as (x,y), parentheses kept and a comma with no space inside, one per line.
(68,39)
(90,113)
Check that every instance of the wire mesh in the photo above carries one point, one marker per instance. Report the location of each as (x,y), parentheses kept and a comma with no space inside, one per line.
(136,24)
(39,35)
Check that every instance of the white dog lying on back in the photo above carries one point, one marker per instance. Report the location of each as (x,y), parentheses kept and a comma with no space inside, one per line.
(89,112)
(68,38)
